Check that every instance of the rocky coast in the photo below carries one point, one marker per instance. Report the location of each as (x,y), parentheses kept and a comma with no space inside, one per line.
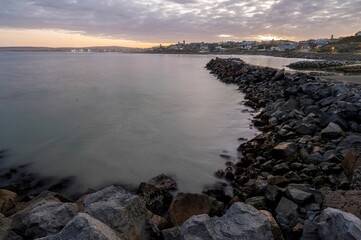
(300,178)
(345,67)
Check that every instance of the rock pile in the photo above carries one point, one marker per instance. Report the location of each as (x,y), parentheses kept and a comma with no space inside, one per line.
(314,65)
(309,146)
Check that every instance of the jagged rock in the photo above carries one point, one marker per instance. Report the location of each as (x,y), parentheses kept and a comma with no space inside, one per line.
(332,131)
(348,201)
(5,227)
(286,209)
(157,199)
(333,224)
(280,169)
(298,196)
(241,221)
(186,205)
(276,231)
(124,212)
(8,200)
(258,202)
(84,226)
(43,219)
(164,182)
(273,193)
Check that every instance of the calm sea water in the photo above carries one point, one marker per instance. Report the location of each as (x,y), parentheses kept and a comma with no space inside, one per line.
(120,118)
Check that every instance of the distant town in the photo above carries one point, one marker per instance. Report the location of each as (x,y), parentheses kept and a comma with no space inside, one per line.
(349,44)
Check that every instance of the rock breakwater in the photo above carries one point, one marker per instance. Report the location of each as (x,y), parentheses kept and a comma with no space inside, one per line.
(309,145)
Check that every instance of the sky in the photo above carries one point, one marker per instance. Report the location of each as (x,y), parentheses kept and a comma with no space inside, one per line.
(146,23)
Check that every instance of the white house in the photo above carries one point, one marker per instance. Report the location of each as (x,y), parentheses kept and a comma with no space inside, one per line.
(358,33)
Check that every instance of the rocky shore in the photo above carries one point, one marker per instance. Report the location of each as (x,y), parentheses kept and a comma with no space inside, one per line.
(299,179)
(345,67)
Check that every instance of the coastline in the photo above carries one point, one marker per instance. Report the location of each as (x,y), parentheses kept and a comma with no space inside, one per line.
(291,172)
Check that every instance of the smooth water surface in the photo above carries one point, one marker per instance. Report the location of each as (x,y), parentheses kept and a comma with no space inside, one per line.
(120,118)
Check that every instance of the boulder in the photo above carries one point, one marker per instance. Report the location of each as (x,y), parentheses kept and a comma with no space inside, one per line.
(333,224)
(122,211)
(332,131)
(298,196)
(8,200)
(165,182)
(5,227)
(287,209)
(348,201)
(186,205)
(258,202)
(84,226)
(286,150)
(241,221)
(157,199)
(43,219)
(280,169)
(276,231)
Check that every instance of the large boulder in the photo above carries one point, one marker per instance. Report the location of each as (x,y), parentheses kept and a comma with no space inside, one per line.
(348,201)
(122,211)
(333,224)
(84,226)
(7,200)
(241,221)
(186,205)
(43,219)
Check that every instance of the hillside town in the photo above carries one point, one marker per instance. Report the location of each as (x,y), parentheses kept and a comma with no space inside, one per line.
(349,44)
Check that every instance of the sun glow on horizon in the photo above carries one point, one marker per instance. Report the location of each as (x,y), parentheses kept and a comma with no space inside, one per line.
(268,37)
(10,37)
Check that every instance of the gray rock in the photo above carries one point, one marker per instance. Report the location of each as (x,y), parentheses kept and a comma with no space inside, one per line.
(287,209)
(258,202)
(122,211)
(332,131)
(334,224)
(84,226)
(5,227)
(43,219)
(280,169)
(241,221)
(298,196)
(272,193)
(310,88)
(8,200)
(315,158)
(306,129)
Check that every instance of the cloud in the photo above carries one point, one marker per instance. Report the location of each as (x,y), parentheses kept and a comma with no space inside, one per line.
(193,20)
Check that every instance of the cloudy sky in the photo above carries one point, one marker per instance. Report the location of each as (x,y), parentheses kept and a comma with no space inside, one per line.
(149,22)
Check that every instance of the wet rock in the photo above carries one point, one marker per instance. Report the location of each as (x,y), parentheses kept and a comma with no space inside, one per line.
(44,218)
(8,200)
(333,224)
(185,205)
(348,201)
(84,226)
(273,194)
(165,182)
(332,131)
(157,199)
(241,221)
(122,211)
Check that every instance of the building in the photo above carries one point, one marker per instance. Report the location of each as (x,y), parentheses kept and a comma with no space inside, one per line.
(358,33)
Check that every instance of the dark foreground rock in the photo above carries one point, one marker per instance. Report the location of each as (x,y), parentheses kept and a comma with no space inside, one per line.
(241,221)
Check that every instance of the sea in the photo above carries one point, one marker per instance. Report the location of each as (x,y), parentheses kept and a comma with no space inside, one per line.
(111,118)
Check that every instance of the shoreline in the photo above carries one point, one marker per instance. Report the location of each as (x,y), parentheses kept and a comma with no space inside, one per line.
(289,179)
